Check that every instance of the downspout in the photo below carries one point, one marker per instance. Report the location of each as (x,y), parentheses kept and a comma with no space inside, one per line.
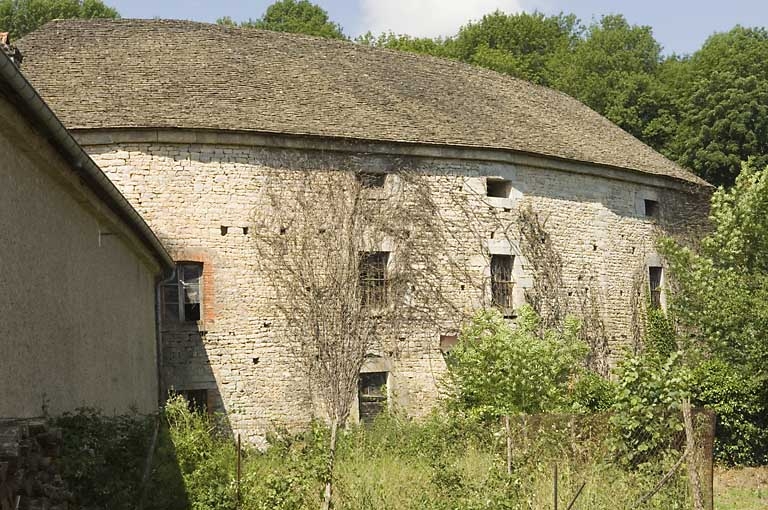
(161,389)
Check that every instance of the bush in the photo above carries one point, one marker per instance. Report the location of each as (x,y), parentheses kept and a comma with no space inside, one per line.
(739,401)
(102,458)
(498,370)
(593,393)
(646,412)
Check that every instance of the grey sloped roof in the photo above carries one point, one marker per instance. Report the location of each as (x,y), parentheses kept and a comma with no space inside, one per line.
(181,74)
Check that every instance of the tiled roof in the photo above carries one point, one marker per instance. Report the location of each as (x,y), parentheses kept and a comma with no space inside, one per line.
(181,74)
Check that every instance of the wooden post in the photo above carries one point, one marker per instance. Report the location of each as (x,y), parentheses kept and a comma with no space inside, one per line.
(239,470)
(508,429)
(555,487)
(690,447)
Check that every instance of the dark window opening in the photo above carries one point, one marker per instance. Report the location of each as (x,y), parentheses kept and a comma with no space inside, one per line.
(373,278)
(655,275)
(499,188)
(371,179)
(652,209)
(448,342)
(372,395)
(501,282)
(197,400)
(182,297)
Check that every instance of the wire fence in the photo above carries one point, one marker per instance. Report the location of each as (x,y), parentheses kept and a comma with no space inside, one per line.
(591,461)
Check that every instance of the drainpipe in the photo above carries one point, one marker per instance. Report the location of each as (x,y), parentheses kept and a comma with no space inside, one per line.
(161,389)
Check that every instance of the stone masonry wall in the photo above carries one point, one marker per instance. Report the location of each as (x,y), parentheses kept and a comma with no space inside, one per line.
(187,192)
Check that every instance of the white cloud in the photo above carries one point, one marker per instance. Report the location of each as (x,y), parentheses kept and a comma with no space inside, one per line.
(427,18)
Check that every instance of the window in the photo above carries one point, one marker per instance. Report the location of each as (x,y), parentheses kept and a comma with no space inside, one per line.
(501,282)
(371,395)
(373,277)
(448,342)
(655,275)
(499,188)
(182,297)
(197,400)
(371,179)
(652,209)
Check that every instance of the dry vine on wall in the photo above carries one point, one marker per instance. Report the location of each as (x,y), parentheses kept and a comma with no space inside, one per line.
(352,259)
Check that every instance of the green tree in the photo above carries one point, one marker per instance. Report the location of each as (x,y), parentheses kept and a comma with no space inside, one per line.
(424,45)
(19,17)
(721,297)
(724,105)
(613,71)
(498,370)
(521,45)
(296,16)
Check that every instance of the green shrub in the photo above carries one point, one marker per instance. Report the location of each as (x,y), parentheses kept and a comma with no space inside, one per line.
(103,457)
(646,413)
(738,399)
(497,369)
(593,393)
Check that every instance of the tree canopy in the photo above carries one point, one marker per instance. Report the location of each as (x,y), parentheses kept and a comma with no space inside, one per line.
(296,16)
(724,105)
(720,295)
(20,17)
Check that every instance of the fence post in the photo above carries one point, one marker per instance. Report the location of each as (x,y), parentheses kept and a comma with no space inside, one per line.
(690,447)
(239,457)
(555,486)
(508,429)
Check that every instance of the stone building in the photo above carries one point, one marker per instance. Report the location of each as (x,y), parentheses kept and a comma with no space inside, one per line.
(79,268)
(195,122)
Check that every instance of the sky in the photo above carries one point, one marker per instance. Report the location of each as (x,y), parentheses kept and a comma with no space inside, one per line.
(680,26)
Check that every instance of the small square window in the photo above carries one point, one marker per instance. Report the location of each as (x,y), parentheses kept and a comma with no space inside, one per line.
(652,209)
(498,188)
(371,179)
(448,342)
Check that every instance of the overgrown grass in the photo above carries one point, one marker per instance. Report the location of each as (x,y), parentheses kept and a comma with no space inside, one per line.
(443,462)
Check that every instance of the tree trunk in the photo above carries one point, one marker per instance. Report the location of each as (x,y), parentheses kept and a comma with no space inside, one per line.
(690,446)
(331,459)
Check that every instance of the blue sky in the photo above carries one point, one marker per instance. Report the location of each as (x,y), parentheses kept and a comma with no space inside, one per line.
(681,26)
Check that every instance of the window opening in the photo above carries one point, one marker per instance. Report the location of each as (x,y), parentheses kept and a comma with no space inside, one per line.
(372,395)
(501,282)
(655,274)
(373,278)
(371,179)
(448,342)
(652,209)
(499,188)
(197,400)
(182,297)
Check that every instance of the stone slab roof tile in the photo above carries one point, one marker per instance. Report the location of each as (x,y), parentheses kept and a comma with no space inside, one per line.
(181,74)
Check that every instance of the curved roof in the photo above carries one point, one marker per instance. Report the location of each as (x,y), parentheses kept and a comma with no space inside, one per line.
(181,74)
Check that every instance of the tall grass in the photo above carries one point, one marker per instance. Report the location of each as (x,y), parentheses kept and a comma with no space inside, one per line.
(440,463)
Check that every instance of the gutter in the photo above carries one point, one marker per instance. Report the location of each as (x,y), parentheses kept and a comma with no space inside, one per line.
(42,118)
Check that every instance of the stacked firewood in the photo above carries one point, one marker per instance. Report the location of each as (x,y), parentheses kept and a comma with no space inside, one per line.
(28,476)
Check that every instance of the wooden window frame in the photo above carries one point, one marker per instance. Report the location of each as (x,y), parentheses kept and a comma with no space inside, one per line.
(373,278)
(376,399)
(655,283)
(502,283)
(178,286)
